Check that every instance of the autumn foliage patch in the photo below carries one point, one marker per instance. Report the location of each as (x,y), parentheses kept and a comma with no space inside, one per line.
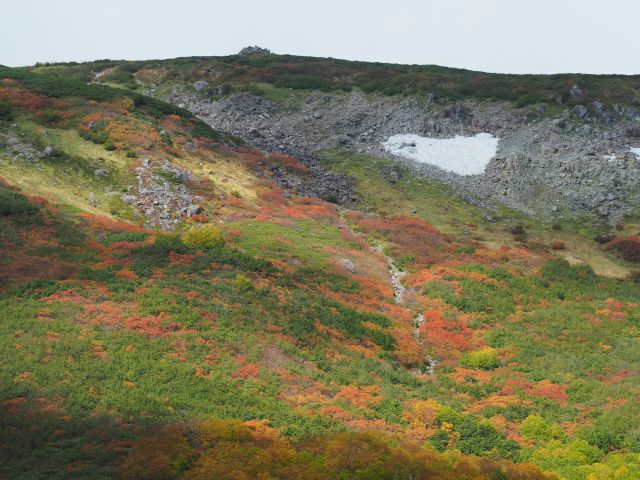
(627,247)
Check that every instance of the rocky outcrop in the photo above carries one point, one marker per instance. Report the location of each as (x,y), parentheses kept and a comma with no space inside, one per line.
(578,161)
(255,50)
(162,194)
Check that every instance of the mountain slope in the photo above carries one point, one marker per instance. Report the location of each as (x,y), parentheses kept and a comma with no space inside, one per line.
(172,297)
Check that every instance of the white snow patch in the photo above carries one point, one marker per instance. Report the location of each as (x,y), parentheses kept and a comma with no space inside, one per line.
(610,158)
(461,155)
(635,151)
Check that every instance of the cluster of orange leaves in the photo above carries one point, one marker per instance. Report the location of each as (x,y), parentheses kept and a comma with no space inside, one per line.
(446,334)
(232,449)
(542,389)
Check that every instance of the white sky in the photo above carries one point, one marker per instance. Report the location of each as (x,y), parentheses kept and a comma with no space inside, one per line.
(517,36)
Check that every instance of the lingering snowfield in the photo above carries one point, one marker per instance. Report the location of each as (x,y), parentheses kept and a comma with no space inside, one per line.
(635,151)
(461,155)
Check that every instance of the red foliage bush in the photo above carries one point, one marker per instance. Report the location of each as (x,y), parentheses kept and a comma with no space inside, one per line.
(627,247)
(289,163)
(411,235)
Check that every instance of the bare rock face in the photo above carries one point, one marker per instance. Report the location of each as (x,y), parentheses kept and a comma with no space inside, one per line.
(578,162)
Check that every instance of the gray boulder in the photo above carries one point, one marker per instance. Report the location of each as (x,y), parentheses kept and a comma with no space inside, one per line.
(341,139)
(200,85)
(581,111)
(348,265)
(575,91)
(191,210)
(48,151)
(129,199)
(598,108)
(182,175)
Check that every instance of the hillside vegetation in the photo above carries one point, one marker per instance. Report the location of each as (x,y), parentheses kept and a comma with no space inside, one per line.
(252,72)
(269,335)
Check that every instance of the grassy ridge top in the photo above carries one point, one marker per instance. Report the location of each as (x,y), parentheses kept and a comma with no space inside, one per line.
(331,75)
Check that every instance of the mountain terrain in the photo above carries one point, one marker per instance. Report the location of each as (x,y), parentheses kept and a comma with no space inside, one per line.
(216,267)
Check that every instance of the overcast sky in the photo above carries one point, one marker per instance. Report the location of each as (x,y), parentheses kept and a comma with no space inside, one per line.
(517,36)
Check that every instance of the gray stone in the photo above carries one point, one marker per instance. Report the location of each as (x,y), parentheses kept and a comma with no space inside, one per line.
(560,122)
(48,151)
(200,85)
(598,108)
(129,199)
(192,210)
(342,139)
(182,175)
(348,265)
(101,171)
(581,111)
(575,91)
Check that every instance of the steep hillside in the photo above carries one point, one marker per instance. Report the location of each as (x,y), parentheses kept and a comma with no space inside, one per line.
(566,142)
(178,301)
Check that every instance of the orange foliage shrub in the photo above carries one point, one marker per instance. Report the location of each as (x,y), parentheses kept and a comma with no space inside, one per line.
(357,396)
(289,163)
(422,416)
(249,371)
(23,99)
(445,335)
(542,389)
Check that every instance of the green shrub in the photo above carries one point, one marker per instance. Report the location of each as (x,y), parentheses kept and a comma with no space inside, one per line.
(477,437)
(485,359)
(559,270)
(125,237)
(242,283)
(149,257)
(208,237)
(534,427)
(6,112)
(14,204)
